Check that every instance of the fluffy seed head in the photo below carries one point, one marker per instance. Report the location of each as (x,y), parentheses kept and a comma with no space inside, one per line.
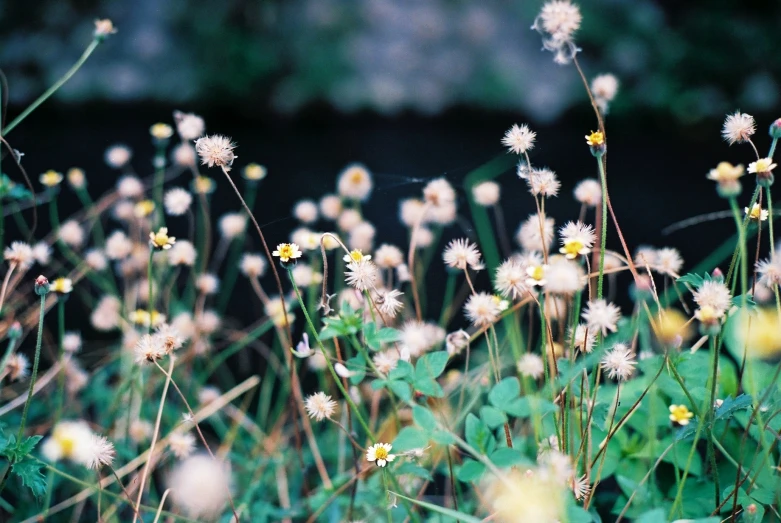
(177,201)
(482,309)
(519,139)
(619,362)
(216,150)
(738,127)
(460,254)
(320,406)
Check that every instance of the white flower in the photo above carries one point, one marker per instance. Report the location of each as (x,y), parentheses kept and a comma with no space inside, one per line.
(763,165)
(42,253)
(602,316)
(757,213)
(536,275)
(380,453)
(330,206)
(668,261)
(486,193)
(461,254)
(604,87)
(510,280)
(71,342)
(583,338)
(106,314)
(18,367)
(149,349)
(320,406)
(531,365)
(303,350)
(342,371)
(530,237)
(580,487)
(207,283)
(118,246)
(714,294)
(101,452)
(619,362)
(576,239)
(388,256)
(252,265)
(71,234)
(389,302)
(361,275)
(19,253)
(738,127)
(543,182)
(182,253)
(560,19)
(70,440)
(564,276)
(770,271)
(355,183)
(519,139)
(482,309)
(189,126)
(216,150)
(117,156)
(182,444)
(233,224)
(177,201)
(361,236)
(169,337)
(456,341)
(589,192)
(386,361)
(184,155)
(306,211)
(130,186)
(199,486)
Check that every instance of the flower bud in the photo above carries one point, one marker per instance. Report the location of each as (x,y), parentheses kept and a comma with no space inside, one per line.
(775,129)
(41,285)
(15,331)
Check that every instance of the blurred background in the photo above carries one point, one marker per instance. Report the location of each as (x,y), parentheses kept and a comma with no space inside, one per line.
(411,89)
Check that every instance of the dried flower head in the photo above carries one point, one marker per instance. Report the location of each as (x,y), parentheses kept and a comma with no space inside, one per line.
(19,254)
(486,194)
(589,192)
(320,406)
(461,253)
(543,182)
(510,280)
(619,362)
(531,366)
(101,452)
(602,316)
(177,201)
(355,183)
(189,126)
(482,309)
(216,150)
(519,139)
(738,127)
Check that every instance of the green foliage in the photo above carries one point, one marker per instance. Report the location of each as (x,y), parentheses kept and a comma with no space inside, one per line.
(375,339)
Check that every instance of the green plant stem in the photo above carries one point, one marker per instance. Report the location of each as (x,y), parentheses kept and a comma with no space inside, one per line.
(712,416)
(34,373)
(603,232)
(149,273)
(741,248)
(335,376)
(53,89)
(159,181)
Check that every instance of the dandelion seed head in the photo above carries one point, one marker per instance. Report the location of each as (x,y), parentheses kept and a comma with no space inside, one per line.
(738,127)
(216,150)
(320,406)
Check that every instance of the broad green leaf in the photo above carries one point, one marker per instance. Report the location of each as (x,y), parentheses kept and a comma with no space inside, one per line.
(410,438)
(356,365)
(29,471)
(492,416)
(506,457)
(402,370)
(526,406)
(656,515)
(477,433)
(471,470)
(732,405)
(693,279)
(504,392)
(431,365)
(413,469)
(429,387)
(424,418)
(401,389)
(443,437)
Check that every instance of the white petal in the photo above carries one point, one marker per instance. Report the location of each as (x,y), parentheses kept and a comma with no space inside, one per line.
(381,462)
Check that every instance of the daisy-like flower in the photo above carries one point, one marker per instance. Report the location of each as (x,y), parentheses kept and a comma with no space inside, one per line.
(738,127)
(757,213)
(177,201)
(531,365)
(602,316)
(486,194)
(595,139)
(770,271)
(380,454)
(461,253)
(101,452)
(725,172)
(143,208)
(714,294)
(510,280)
(19,253)
(216,150)
(519,139)
(482,309)
(577,239)
(763,165)
(51,178)
(389,302)
(286,252)
(536,275)
(361,275)
(680,414)
(320,406)
(62,286)
(255,172)
(356,256)
(543,182)
(619,362)
(355,183)
(583,338)
(160,240)
(589,192)
(161,131)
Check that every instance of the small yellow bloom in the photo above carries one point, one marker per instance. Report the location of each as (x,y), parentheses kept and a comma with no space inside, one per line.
(76,177)
(708,315)
(62,285)
(203,185)
(536,275)
(757,213)
(51,178)
(726,172)
(254,172)
(763,165)
(160,240)
(595,139)
(356,256)
(573,248)
(680,414)
(144,208)
(287,251)
(161,131)
(142,318)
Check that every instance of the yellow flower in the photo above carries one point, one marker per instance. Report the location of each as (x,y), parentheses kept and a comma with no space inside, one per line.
(254,172)
(757,213)
(536,275)
(203,185)
(161,131)
(142,317)
(287,251)
(673,323)
(763,165)
(51,178)
(144,208)
(62,285)
(573,248)
(356,256)
(160,240)
(595,139)
(726,172)
(76,177)
(680,414)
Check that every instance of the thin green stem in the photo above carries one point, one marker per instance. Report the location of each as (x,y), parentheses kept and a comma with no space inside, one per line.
(34,373)
(712,416)
(603,232)
(149,273)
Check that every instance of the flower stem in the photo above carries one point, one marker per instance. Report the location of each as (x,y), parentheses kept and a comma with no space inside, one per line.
(603,234)
(34,373)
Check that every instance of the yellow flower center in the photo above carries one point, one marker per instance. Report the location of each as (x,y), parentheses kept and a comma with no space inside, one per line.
(254,172)
(161,131)
(381,453)
(144,208)
(203,185)
(680,414)
(67,444)
(572,248)
(356,177)
(538,273)
(763,165)
(51,178)
(62,285)
(285,252)
(595,138)
(356,255)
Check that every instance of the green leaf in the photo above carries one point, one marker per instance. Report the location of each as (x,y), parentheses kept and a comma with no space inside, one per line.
(29,471)
(731,405)
(492,416)
(424,418)
(693,279)
(356,365)
(504,392)
(401,389)
(507,457)
(526,406)
(376,338)
(429,387)
(402,370)
(471,470)
(378,384)
(410,438)
(413,469)
(477,433)
(443,437)
(656,515)
(763,496)
(431,366)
